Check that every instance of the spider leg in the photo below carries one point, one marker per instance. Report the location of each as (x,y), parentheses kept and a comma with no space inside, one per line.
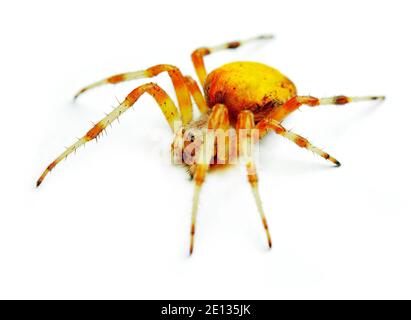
(296,102)
(197,56)
(245,121)
(196,94)
(270,123)
(165,103)
(182,86)
(218,120)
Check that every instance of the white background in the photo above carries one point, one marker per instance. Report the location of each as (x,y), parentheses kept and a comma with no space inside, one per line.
(113,220)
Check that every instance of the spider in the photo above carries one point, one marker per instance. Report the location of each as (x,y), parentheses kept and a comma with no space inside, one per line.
(241,95)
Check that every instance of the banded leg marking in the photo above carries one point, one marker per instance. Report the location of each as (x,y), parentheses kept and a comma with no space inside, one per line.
(196,94)
(165,103)
(245,120)
(218,120)
(197,56)
(270,124)
(296,102)
(178,80)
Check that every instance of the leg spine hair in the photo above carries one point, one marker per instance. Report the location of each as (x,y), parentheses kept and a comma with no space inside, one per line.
(165,103)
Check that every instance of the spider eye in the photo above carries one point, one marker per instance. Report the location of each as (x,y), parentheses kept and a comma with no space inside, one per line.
(191,137)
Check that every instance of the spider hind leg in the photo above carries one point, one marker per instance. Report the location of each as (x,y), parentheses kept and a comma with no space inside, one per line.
(296,102)
(271,124)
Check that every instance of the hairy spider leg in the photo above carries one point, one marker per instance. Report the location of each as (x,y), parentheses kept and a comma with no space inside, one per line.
(196,93)
(296,102)
(181,87)
(218,120)
(165,103)
(271,124)
(245,121)
(197,56)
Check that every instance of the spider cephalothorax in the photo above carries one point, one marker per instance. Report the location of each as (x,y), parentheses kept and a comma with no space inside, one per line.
(240,97)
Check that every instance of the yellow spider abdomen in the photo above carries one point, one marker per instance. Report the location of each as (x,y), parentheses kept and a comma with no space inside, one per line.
(248,86)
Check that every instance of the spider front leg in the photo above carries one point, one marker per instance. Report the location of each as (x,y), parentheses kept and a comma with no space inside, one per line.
(271,124)
(165,103)
(218,120)
(245,129)
(183,87)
